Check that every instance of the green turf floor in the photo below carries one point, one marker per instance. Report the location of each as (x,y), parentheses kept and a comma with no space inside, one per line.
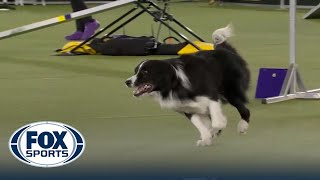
(123,132)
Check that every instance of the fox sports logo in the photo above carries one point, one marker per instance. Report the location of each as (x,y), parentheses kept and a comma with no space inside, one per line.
(47,144)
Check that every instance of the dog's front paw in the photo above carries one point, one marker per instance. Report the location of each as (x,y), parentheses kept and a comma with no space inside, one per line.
(219,125)
(243,127)
(215,132)
(204,142)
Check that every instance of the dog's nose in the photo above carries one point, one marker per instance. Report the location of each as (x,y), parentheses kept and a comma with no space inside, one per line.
(128,83)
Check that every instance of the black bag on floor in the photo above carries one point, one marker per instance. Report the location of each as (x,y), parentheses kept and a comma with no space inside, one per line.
(123,45)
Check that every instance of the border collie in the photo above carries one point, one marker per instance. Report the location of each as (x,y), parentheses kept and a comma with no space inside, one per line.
(197,84)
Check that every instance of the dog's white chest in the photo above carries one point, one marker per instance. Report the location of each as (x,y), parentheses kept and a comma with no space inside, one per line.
(199,105)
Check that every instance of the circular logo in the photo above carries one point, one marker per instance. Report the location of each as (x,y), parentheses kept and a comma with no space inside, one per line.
(47,144)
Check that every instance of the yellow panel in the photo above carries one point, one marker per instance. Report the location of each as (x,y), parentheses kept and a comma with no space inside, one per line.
(189,49)
(61,18)
(85,49)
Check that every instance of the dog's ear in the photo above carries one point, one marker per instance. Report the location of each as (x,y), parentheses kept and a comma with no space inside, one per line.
(139,66)
(174,78)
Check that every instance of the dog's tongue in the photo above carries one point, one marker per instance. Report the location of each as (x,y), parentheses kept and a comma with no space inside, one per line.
(142,89)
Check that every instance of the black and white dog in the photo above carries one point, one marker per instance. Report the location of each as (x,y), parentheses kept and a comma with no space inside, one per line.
(196,85)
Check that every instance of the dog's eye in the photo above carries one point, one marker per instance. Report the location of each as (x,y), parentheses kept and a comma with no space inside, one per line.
(145,72)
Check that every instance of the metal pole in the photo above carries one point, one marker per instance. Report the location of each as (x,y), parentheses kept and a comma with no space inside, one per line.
(166,24)
(292,42)
(292,34)
(124,23)
(179,23)
(293,79)
(282,4)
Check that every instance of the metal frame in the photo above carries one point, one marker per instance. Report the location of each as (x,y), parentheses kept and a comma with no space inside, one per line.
(145,6)
(293,86)
(313,13)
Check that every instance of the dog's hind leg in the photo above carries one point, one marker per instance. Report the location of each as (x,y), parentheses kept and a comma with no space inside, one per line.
(218,120)
(243,124)
(206,137)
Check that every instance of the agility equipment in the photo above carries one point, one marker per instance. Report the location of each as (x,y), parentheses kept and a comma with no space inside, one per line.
(84,49)
(62,19)
(122,45)
(293,86)
(189,49)
(270,81)
(313,13)
(282,4)
(159,15)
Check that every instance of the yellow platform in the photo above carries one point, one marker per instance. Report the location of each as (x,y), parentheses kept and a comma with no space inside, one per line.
(189,49)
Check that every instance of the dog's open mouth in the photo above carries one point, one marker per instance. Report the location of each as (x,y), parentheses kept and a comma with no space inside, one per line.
(144,88)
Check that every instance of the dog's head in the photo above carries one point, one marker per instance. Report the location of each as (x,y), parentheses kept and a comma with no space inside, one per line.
(151,76)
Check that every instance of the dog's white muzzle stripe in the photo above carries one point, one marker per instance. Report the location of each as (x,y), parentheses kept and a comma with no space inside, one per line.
(132,80)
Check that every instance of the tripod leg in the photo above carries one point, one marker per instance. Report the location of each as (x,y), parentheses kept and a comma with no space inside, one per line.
(180,24)
(167,25)
(104,29)
(125,23)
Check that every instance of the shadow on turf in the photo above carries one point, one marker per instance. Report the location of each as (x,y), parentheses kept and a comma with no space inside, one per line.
(80,69)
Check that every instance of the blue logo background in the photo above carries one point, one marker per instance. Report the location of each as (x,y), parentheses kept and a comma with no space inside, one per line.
(47,144)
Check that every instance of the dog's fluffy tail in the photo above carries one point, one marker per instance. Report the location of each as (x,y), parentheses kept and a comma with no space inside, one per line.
(221,35)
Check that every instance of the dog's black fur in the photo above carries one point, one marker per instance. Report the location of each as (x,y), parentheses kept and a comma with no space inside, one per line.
(219,74)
